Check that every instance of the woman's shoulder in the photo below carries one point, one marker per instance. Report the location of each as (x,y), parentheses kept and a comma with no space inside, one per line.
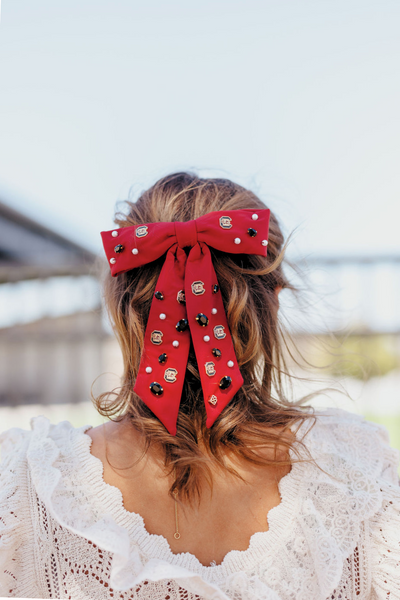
(339,439)
(40,449)
(15,442)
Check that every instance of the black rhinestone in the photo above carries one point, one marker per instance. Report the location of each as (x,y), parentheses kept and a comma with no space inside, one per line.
(118,248)
(182,325)
(162,358)
(225,382)
(159,296)
(216,352)
(156,388)
(202,319)
(215,288)
(252,232)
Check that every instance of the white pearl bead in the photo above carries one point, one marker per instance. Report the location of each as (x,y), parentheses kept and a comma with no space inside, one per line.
(175,343)
(214,311)
(237,240)
(265,242)
(114,233)
(148,369)
(135,251)
(113,261)
(254,217)
(163,316)
(206,338)
(230,363)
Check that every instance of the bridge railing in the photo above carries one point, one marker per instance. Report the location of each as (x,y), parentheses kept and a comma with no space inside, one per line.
(357,294)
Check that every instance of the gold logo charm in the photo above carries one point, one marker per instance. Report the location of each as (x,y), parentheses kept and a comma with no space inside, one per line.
(156,337)
(181,297)
(225,222)
(213,400)
(198,288)
(142,231)
(170,375)
(210,368)
(219,332)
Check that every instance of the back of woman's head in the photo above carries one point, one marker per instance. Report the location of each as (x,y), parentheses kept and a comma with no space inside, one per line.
(249,287)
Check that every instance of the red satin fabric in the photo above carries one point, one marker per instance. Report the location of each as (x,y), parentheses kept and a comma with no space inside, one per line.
(150,241)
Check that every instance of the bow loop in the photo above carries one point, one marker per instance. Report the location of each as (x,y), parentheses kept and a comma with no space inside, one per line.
(187,305)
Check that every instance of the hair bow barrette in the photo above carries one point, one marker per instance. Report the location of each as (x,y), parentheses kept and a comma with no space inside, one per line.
(187,304)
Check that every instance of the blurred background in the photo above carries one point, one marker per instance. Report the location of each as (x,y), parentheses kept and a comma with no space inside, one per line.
(298,101)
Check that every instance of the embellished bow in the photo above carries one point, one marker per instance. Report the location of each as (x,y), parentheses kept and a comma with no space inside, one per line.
(187,304)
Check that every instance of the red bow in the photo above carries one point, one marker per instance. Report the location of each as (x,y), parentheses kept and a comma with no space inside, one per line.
(187,302)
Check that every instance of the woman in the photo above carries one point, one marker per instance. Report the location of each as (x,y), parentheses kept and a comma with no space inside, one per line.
(205,482)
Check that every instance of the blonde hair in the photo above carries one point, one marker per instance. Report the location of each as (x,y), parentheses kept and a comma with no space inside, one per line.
(248,286)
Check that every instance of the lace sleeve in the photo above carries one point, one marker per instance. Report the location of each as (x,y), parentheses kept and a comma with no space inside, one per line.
(385,530)
(13,509)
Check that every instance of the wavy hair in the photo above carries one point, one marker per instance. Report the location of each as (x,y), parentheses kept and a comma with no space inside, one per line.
(255,417)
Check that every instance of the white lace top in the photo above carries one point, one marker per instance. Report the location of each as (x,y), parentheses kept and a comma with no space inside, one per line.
(64,532)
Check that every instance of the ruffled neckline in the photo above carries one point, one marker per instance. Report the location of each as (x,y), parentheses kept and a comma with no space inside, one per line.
(157,546)
(313,530)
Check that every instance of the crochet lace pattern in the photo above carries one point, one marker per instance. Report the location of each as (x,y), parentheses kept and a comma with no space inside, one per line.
(64,532)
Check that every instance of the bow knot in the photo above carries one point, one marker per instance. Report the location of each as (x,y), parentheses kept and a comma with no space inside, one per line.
(187,305)
(186,233)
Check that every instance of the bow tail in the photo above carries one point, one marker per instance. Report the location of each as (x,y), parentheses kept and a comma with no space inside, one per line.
(212,342)
(165,351)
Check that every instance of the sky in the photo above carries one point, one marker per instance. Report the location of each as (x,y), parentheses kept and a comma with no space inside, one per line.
(298,101)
